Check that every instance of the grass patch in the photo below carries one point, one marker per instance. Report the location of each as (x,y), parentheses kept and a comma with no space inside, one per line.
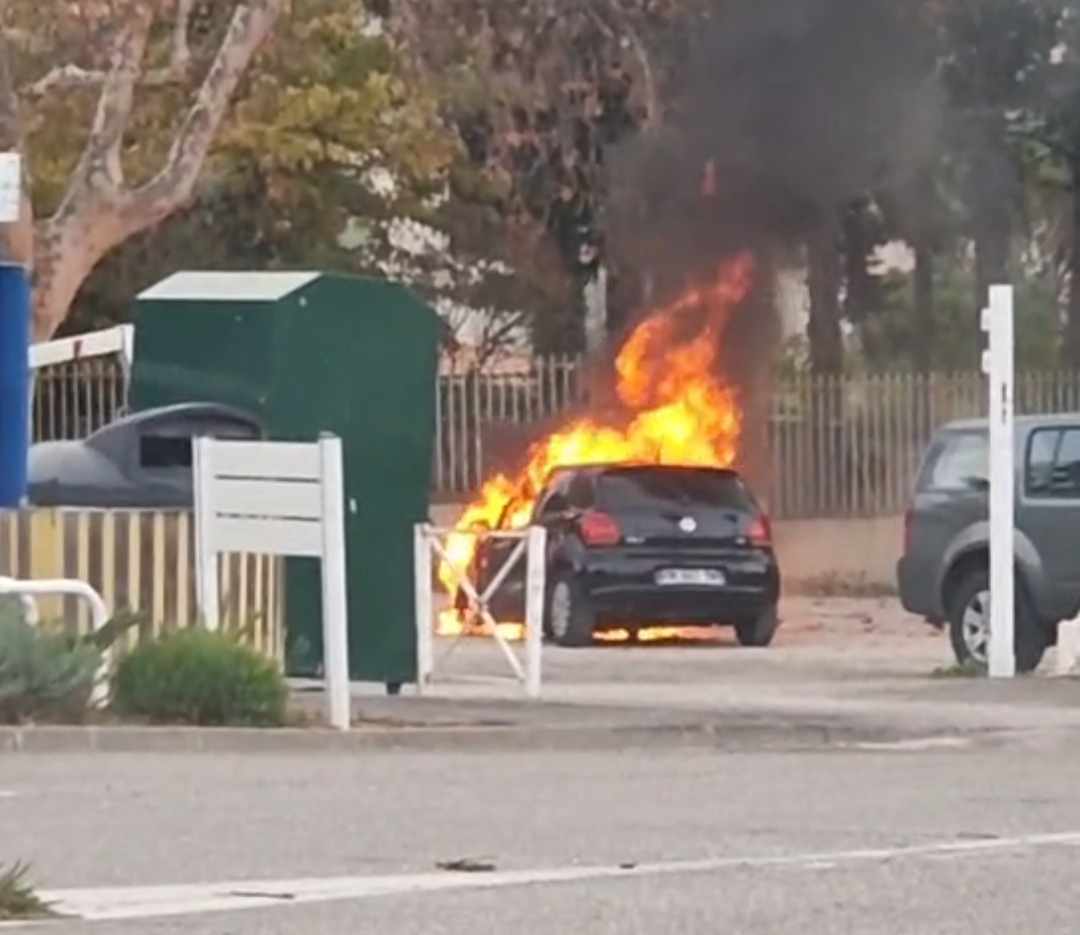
(18,901)
(968,669)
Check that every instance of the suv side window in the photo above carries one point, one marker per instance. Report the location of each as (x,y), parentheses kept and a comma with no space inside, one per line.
(962,464)
(1042,450)
(1053,470)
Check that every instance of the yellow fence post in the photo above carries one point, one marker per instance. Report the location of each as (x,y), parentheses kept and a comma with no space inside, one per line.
(47,556)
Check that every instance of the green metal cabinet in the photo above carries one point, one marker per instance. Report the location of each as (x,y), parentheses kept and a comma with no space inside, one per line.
(308,353)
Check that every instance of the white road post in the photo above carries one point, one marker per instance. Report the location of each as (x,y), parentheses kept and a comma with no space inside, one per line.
(425,654)
(335,602)
(207,588)
(535,560)
(999,365)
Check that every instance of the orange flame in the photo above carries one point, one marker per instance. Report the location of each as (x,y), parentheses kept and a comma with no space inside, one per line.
(680,413)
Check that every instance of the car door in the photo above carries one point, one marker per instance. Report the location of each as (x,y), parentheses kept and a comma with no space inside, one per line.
(508,602)
(1050,512)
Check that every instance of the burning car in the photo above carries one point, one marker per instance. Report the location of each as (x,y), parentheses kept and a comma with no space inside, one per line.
(647,520)
(635,545)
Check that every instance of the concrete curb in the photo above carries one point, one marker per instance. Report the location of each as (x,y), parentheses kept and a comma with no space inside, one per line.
(729,734)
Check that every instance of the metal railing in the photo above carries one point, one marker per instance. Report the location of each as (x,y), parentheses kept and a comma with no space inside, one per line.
(143,562)
(832,446)
(80,383)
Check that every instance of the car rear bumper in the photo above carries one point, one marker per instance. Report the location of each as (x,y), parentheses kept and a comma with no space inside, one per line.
(624,585)
(621,582)
(917,591)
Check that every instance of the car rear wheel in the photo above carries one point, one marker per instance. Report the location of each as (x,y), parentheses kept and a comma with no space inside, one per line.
(760,630)
(570,616)
(969,625)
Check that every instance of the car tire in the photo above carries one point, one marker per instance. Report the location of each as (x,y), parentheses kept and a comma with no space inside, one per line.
(758,631)
(569,617)
(969,625)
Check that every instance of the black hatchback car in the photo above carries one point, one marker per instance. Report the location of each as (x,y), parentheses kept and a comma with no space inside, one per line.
(633,545)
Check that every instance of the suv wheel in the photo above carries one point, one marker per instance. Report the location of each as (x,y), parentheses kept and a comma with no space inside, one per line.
(759,630)
(570,616)
(969,625)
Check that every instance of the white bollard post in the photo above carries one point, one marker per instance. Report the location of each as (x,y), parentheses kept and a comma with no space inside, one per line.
(207,589)
(536,559)
(425,654)
(998,320)
(334,595)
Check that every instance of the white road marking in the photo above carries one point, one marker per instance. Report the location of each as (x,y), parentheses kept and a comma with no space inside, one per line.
(135,902)
(7,794)
(918,744)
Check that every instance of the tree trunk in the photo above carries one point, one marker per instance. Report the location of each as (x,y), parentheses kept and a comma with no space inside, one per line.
(1072,326)
(924,321)
(826,340)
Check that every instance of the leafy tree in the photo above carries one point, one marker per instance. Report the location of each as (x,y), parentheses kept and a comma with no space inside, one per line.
(892,341)
(337,155)
(993,52)
(117,104)
(539,93)
(1050,130)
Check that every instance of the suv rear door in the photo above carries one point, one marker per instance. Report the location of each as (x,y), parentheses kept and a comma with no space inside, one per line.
(950,497)
(1050,512)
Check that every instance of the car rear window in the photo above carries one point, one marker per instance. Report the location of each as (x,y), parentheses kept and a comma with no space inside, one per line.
(960,462)
(653,488)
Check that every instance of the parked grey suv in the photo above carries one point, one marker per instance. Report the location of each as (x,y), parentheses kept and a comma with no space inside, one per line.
(944,572)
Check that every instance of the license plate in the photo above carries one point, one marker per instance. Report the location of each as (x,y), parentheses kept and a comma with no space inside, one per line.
(698,577)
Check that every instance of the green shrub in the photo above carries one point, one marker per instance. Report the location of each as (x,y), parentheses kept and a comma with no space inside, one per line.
(197,677)
(44,675)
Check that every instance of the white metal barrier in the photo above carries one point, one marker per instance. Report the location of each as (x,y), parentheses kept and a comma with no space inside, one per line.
(1068,647)
(430,541)
(51,587)
(117,340)
(277,498)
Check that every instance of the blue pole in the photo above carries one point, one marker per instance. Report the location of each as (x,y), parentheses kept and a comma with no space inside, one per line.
(14,383)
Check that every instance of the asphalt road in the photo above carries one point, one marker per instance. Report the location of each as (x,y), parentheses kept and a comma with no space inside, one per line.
(787,833)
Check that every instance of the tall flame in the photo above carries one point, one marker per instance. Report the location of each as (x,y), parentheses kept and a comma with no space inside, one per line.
(679,410)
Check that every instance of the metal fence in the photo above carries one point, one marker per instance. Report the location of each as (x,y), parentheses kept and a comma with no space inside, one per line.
(77,397)
(476,412)
(851,446)
(836,446)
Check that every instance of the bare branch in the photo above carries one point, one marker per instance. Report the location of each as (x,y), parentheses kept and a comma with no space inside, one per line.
(102,153)
(181,52)
(71,77)
(173,186)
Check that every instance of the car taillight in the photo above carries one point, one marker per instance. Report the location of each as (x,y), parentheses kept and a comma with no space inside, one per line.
(760,532)
(599,529)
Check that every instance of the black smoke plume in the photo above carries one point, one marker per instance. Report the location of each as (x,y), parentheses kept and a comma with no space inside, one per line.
(784,111)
